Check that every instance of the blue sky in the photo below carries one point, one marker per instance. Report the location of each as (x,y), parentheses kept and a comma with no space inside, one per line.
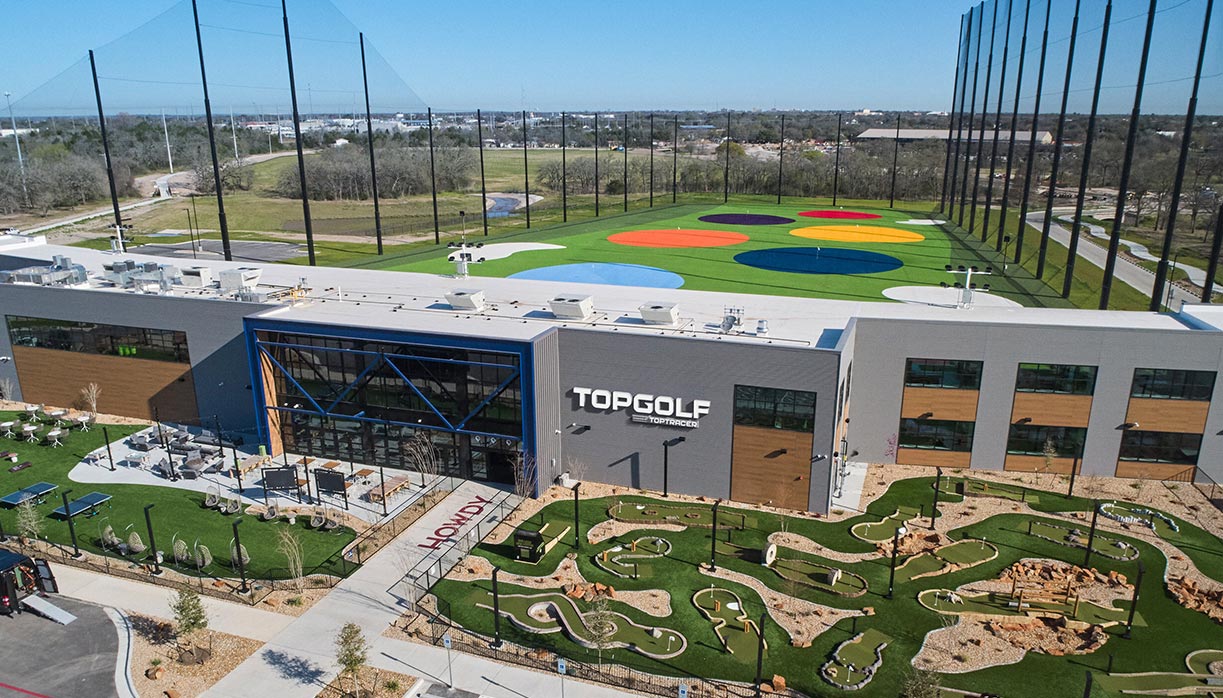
(548,54)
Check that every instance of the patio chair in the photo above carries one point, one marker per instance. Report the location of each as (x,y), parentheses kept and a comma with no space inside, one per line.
(332,522)
(213,498)
(318,518)
(231,505)
(271,512)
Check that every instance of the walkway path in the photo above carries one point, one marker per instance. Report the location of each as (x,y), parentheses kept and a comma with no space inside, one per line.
(1126,272)
(1137,249)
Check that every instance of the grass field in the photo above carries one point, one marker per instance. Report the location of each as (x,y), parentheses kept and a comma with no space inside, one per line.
(176,513)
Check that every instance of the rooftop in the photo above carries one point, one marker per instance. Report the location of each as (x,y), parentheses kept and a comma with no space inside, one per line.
(521,310)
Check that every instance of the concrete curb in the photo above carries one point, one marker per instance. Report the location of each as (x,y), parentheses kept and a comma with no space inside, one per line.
(123,660)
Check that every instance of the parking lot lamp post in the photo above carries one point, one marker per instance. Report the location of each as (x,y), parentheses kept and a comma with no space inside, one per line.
(148,522)
(577,538)
(900,531)
(938,481)
(1129,623)
(666,461)
(1091,535)
(110,457)
(496,611)
(713,540)
(76,550)
(238,558)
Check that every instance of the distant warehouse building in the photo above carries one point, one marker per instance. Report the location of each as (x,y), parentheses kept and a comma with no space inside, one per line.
(923,134)
(753,398)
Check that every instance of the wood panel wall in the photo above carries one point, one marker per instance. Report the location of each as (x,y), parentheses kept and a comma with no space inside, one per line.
(130,387)
(1155,471)
(1036,464)
(940,403)
(1182,416)
(926,456)
(270,399)
(1052,409)
(760,473)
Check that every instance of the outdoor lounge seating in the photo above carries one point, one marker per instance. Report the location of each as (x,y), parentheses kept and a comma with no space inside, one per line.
(318,517)
(21,466)
(8,428)
(271,512)
(141,442)
(231,505)
(9,456)
(52,438)
(213,498)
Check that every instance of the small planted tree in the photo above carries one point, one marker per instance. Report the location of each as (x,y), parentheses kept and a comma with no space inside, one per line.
(189,614)
(89,397)
(525,476)
(421,453)
(921,684)
(290,546)
(351,653)
(7,389)
(601,621)
(1050,454)
(29,521)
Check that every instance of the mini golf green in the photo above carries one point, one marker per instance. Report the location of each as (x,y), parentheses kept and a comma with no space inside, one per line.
(738,632)
(1103,544)
(550,612)
(679,515)
(856,660)
(995,604)
(971,487)
(960,555)
(879,531)
(631,561)
(816,575)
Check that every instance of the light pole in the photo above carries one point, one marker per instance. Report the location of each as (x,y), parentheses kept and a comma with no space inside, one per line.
(666,460)
(76,549)
(900,531)
(938,478)
(148,522)
(496,611)
(1129,623)
(577,538)
(760,653)
(1091,535)
(109,456)
(25,193)
(713,541)
(191,233)
(238,558)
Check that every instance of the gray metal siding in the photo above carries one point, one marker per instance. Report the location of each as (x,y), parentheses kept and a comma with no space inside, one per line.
(214,337)
(546,367)
(616,450)
(883,346)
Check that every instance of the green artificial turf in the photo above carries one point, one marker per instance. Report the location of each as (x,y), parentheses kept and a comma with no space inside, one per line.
(1164,633)
(176,513)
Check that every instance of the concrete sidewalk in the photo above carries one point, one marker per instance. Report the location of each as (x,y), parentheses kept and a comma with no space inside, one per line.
(152,600)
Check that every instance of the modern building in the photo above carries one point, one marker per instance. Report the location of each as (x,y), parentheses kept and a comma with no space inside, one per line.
(922,134)
(752,398)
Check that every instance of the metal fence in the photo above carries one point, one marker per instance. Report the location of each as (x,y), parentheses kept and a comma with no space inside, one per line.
(436,565)
(380,534)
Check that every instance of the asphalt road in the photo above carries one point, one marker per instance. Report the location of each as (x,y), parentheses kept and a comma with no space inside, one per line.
(39,657)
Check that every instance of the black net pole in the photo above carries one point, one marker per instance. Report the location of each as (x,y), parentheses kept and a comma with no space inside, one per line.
(1161,272)
(1216,246)
(483,185)
(781,157)
(369,136)
(675,161)
(1076,227)
(958,118)
(1027,177)
(989,74)
(212,143)
(526,170)
(1127,163)
(955,86)
(895,161)
(836,164)
(297,135)
(1058,142)
(564,172)
(726,167)
(993,153)
(596,164)
(437,229)
(1010,148)
(972,115)
(651,161)
(625,174)
(110,170)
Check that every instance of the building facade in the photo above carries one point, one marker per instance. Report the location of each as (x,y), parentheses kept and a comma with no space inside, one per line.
(750,398)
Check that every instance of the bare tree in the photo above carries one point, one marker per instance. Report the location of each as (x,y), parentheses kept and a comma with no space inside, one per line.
(29,521)
(290,546)
(89,396)
(601,622)
(422,454)
(577,469)
(526,475)
(7,390)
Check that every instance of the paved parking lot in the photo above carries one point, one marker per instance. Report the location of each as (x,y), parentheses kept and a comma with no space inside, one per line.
(39,657)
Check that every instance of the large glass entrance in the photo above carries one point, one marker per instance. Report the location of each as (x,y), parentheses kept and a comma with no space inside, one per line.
(416,406)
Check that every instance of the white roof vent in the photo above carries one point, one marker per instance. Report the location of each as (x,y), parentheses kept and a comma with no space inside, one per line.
(239,279)
(659,313)
(573,307)
(197,277)
(466,299)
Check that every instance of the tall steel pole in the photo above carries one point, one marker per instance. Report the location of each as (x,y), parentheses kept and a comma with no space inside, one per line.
(625,178)
(989,70)
(212,143)
(437,230)
(1085,166)
(1161,272)
(675,161)
(781,156)
(25,192)
(297,137)
(993,155)
(836,164)
(1057,147)
(958,115)
(895,160)
(1010,148)
(369,136)
(726,167)
(565,172)
(526,170)
(1027,177)
(596,164)
(955,86)
(165,130)
(483,189)
(972,115)
(1216,246)
(110,171)
(651,160)
(1123,187)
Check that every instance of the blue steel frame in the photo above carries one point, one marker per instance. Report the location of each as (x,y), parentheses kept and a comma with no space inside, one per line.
(525,374)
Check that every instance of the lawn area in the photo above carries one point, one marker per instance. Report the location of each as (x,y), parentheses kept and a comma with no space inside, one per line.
(1164,633)
(176,513)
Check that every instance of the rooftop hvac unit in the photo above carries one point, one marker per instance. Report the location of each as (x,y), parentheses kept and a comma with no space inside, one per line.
(466,299)
(197,277)
(660,313)
(573,307)
(238,279)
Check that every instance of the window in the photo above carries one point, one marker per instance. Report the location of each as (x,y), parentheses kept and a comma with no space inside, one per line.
(96,338)
(775,408)
(1173,384)
(1160,447)
(943,373)
(936,434)
(1056,378)
(1030,440)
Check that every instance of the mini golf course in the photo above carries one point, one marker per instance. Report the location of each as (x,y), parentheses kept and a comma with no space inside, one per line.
(1077,536)
(708,608)
(790,250)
